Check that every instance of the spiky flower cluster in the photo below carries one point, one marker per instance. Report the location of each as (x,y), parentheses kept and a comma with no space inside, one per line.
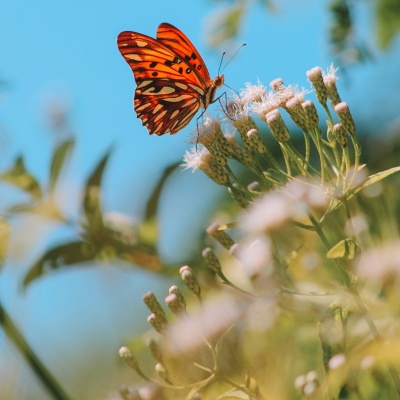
(295,251)
(215,149)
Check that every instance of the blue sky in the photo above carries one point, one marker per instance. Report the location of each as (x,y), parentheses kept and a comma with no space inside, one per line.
(66,52)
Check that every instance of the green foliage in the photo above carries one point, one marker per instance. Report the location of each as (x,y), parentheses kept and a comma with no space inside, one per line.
(346,44)
(102,238)
(388,21)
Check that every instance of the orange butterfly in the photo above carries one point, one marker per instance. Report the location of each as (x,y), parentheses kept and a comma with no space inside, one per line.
(172,80)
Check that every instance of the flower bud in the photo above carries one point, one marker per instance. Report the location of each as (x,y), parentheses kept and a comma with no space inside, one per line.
(155,350)
(153,305)
(256,140)
(129,358)
(175,289)
(238,195)
(162,373)
(190,280)
(311,114)
(340,134)
(220,236)
(296,112)
(317,81)
(330,84)
(345,117)
(211,259)
(277,126)
(159,324)
(175,304)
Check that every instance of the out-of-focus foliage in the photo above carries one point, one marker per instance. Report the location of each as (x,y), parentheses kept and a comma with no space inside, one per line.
(388,21)
(102,236)
(346,43)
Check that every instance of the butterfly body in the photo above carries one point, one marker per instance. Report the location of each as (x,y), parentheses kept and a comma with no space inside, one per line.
(172,79)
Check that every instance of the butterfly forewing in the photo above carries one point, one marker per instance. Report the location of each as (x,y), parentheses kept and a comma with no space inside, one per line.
(178,42)
(172,79)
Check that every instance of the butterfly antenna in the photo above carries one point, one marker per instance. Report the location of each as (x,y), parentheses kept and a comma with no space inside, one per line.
(244,44)
(220,63)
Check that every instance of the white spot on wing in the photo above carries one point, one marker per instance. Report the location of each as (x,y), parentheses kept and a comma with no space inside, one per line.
(167,90)
(143,106)
(197,89)
(157,108)
(181,85)
(134,57)
(189,103)
(179,98)
(159,116)
(174,114)
(144,83)
(141,43)
(158,127)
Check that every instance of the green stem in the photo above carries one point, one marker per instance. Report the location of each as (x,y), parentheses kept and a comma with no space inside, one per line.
(307,146)
(41,372)
(357,298)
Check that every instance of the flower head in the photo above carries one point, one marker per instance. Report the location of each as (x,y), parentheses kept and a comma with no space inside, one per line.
(262,108)
(236,109)
(202,159)
(330,73)
(253,93)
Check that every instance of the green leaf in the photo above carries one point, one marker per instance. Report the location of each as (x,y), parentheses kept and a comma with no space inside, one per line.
(4,239)
(148,230)
(60,157)
(92,199)
(59,256)
(228,24)
(377,177)
(229,225)
(369,181)
(152,204)
(18,176)
(347,248)
(387,21)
